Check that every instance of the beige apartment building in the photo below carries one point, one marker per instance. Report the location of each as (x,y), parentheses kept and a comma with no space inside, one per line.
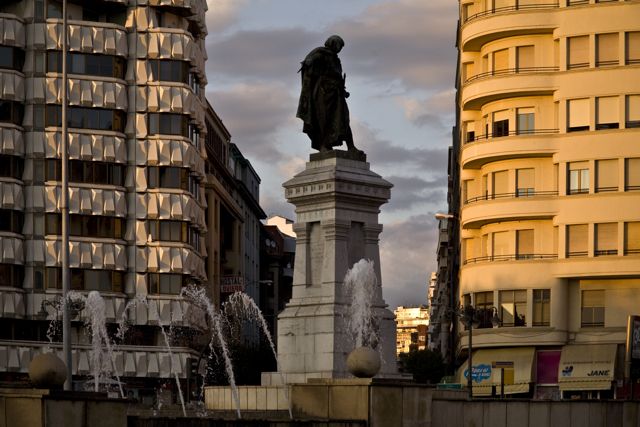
(549,174)
(412,325)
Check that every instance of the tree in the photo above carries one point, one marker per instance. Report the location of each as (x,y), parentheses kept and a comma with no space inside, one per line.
(426,366)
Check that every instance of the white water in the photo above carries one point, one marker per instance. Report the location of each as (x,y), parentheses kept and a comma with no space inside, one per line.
(243,305)
(361,285)
(198,297)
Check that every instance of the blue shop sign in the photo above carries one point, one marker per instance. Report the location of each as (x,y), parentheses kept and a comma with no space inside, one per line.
(480,372)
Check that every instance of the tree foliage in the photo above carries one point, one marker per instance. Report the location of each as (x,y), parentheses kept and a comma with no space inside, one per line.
(426,366)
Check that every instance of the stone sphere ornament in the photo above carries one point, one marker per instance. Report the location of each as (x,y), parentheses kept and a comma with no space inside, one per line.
(363,362)
(47,371)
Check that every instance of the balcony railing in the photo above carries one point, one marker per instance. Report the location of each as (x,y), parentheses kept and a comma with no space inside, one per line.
(507,71)
(518,194)
(515,7)
(475,138)
(511,257)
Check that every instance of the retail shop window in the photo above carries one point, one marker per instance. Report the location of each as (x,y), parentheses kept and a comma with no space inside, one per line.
(632,174)
(632,238)
(168,124)
(578,114)
(164,283)
(513,307)
(578,178)
(606,175)
(541,307)
(11,221)
(11,275)
(525,121)
(577,240)
(11,166)
(606,49)
(86,279)
(607,112)
(632,48)
(524,244)
(578,52)
(11,58)
(484,308)
(606,239)
(633,111)
(592,308)
(525,182)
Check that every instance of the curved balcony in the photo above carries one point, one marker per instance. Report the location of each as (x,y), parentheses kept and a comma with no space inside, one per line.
(94,145)
(166,43)
(177,151)
(507,22)
(11,30)
(508,337)
(159,257)
(11,85)
(611,266)
(507,71)
(509,208)
(83,253)
(596,207)
(171,98)
(86,91)
(11,140)
(89,199)
(11,194)
(11,249)
(485,149)
(13,303)
(84,36)
(176,205)
(501,86)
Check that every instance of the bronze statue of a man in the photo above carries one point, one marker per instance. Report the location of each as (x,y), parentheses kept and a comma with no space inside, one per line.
(323,105)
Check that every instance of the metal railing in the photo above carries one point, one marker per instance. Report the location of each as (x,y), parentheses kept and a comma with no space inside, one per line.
(507,71)
(515,7)
(510,257)
(520,132)
(518,194)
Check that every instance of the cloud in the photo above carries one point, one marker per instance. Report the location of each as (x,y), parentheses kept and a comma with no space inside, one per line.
(407,250)
(411,191)
(222,14)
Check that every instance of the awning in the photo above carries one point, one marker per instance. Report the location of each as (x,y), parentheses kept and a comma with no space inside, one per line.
(587,367)
(484,376)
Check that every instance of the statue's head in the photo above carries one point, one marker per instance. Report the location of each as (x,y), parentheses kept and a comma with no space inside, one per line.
(334,43)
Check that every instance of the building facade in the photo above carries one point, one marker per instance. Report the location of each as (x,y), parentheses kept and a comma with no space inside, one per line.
(136,119)
(549,173)
(412,325)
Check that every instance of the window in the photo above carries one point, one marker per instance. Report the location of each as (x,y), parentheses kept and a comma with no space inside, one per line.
(11,58)
(632,174)
(194,83)
(194,135)
(524,244)
(86,226)
(633,47)
(500,247)
(167,177)
(169,231)
(87,64)
(607,117)
(168,124)
(11,275)
(606,239)
(607,175)
(501,61)
(86,279)
(467,71)
(578,51)
(578,114)
(11,112)
(86,118)
(500,123)
(578,177)
(607,49)
(469,251)
(577,240)
(500,184)
(525,182)
(162,283)
(11,221)
(484,308)
(525,58)
(87,172)
(633,111)
(513,308)
(592,308)
(11,166)
(525,121)
(169,70)
(541,307)
(632,238)
(470,131)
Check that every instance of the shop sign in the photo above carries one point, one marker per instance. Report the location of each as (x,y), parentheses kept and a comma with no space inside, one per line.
(231,284)
(480,373)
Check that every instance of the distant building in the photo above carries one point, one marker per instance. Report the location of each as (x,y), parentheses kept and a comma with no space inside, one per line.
(412,324)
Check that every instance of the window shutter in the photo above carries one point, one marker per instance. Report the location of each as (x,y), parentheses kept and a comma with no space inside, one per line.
(525,242)
(500,60)
(500,4)
(632,237)
(500,183)
(578,51)
(501,243)
(607,237)
(577,239)
(501,115)
(607,110)
(578,112)
(633,174)
(633,108)
(607,175)
(607,45)
(593,298)
(525,56)
(468,70)
(633,47)
(526,178)
(469,250)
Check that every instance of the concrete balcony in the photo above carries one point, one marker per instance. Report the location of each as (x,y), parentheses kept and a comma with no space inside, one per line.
(170,43)
(509,208)
(175,98)
(85,36)
(87,199)
(11,194)
(542,143)
(84,144)
(510,337)
(170,204)
(84,91)
(610,266)
(12,31)
(11,85)
(11,248)
(165,257)
(11,140)
(480,91)
(177,151)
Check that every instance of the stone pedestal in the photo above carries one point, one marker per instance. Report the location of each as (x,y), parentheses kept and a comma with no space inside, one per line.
(337,199)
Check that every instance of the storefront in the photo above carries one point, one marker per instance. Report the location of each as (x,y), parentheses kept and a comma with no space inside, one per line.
(587,371)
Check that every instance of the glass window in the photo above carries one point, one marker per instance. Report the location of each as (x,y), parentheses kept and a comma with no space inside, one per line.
(526,121)
(11,112)
(592,308)
(11,275)
(11,58)
(168,124)
(525,182)
(11,166)
(484,308)
(513,308)
(578,177)
(162,283)
(541,307)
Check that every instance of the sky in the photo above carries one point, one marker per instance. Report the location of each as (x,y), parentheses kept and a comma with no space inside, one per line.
(400,59)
